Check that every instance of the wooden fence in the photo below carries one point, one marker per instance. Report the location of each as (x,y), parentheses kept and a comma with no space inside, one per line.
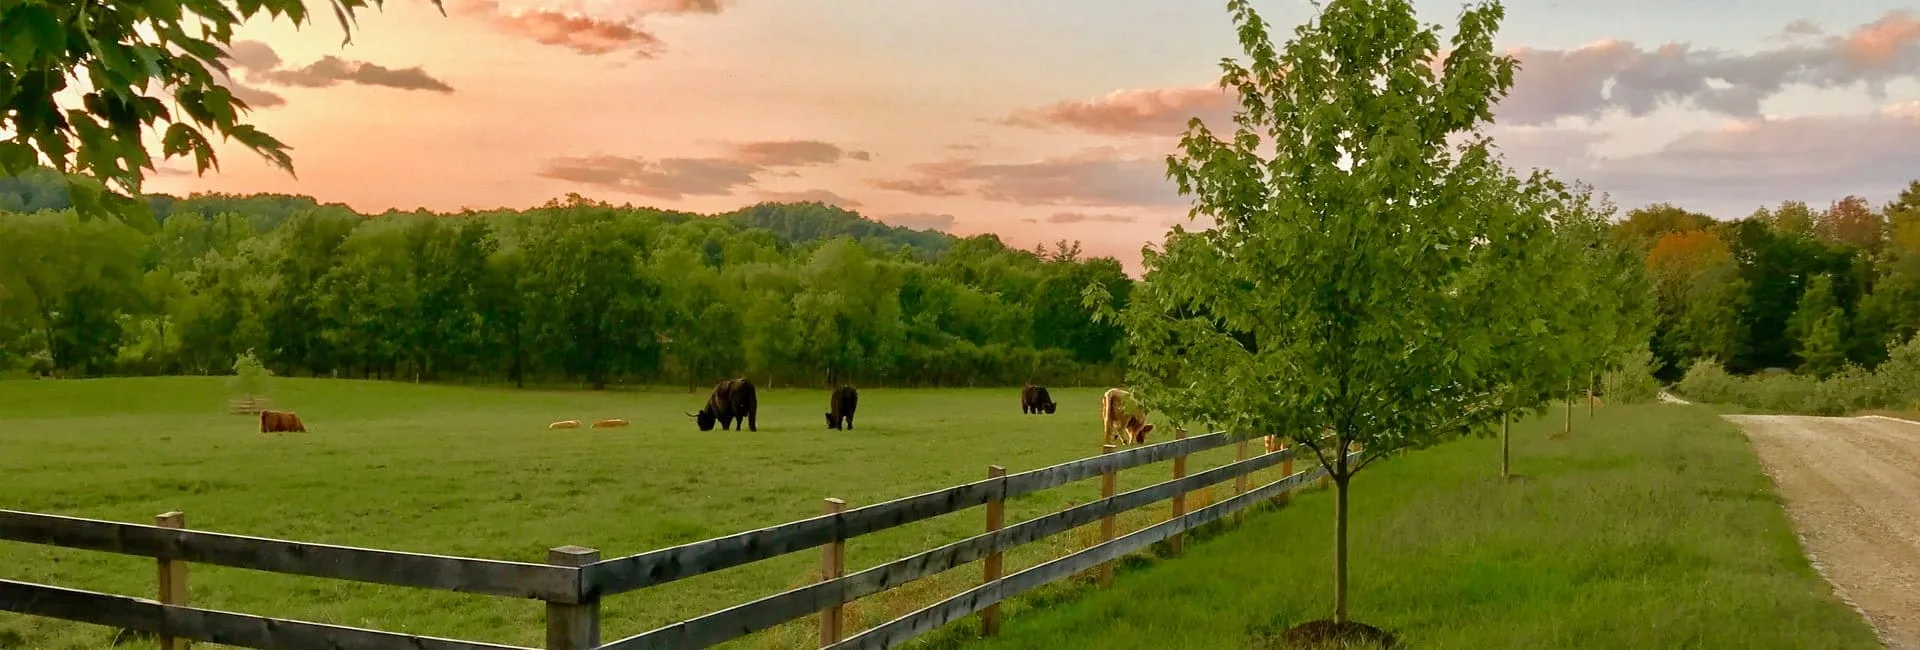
(575,580)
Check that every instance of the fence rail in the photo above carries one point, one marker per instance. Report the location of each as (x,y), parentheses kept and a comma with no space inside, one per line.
(490,577)
(575,580)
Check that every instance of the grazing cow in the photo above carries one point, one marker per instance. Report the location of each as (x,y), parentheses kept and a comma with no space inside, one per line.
(733,399)
(1034,399)
(1125,424)
(608,424)
(840,407)
(565,424)
(281,421)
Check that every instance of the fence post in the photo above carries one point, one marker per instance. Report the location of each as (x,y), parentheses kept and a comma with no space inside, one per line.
(996,516)
(173,579)
(833,563)
(1239,482)
(1107,480)
(573,626)
(1178,541)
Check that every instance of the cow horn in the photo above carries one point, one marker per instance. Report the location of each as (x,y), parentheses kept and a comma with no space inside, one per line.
(692,414)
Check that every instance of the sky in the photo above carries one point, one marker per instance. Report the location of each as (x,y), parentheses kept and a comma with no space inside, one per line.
(1034,120)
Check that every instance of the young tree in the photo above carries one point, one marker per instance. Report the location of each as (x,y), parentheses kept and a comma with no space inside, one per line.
(137,57)
(1337,296)
(249,375)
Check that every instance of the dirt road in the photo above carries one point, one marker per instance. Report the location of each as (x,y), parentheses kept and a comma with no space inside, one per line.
(1852,487)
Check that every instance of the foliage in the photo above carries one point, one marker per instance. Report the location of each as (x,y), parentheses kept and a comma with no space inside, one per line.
(1631,380)
(576,291)
(1343,290)
(1848,389)
(249,375)
(128,60)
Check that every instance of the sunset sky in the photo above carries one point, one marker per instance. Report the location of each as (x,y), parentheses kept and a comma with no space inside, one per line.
(1034,119)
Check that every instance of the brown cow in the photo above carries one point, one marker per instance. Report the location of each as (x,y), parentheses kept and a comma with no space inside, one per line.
(608,424)
(281,421)
(1123,424)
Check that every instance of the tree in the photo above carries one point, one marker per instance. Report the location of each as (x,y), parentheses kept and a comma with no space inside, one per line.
(1852,222)
(127,49)
(249,375)
(1335,297)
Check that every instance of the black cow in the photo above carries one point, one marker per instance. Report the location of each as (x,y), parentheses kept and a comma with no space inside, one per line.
(840,407)
(1034,399)
(733,399)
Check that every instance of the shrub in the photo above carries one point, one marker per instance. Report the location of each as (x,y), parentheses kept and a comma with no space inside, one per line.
(1633,381)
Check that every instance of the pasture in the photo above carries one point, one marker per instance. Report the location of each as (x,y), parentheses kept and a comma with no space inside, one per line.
(1650,527)
(475,472)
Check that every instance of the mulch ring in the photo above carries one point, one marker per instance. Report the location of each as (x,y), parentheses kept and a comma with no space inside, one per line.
(1328,634)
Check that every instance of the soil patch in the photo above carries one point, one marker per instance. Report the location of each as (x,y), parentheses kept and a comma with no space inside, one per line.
(1328,634)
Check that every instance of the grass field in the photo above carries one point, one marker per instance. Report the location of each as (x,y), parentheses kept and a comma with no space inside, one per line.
(475,472)
(1650,527)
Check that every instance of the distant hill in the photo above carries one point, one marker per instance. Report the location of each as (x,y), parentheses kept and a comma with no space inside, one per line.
(803,223)
(798,223)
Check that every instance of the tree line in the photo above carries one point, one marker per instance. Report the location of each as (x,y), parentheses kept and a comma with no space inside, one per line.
(573,292)
(1789,288)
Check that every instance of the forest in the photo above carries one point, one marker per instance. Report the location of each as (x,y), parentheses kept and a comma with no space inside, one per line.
(1791,288)
(582,292)
(575,292)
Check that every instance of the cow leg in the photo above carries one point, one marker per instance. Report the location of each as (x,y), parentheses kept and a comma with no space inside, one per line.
(753,422)
(849,421)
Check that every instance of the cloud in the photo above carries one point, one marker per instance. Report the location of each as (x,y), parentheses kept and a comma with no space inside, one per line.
(810,196)
(795,153)
(667,178)
(257,63)
(1079,217)
(1802,27)
(332,70)
(586,34)
(679,177)
(1744,163)
(919,186)
(919,221)
(1139,111)
(1094,177)
(1590,81)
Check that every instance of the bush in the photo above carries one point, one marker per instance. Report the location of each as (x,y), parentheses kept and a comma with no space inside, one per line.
(1633,381)
(1894,385)
(1706,381)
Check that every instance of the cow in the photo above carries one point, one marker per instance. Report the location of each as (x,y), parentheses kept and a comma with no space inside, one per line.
(1123,423)
(840,406)
(608,424)
(565,424)
(733,399)
(1034,399)
(281,421)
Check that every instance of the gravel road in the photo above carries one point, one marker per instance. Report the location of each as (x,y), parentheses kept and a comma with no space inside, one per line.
(1852,488)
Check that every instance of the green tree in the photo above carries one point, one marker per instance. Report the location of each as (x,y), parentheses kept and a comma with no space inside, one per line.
(136,57)
(249,375)
(1328,301)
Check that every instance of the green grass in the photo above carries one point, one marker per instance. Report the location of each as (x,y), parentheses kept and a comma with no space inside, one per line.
(1650,527)
(475,472)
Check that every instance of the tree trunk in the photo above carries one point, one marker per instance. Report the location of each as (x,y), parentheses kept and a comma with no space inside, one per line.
(1340,535)
(1569,405)
(1590,382)
(1506,447)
